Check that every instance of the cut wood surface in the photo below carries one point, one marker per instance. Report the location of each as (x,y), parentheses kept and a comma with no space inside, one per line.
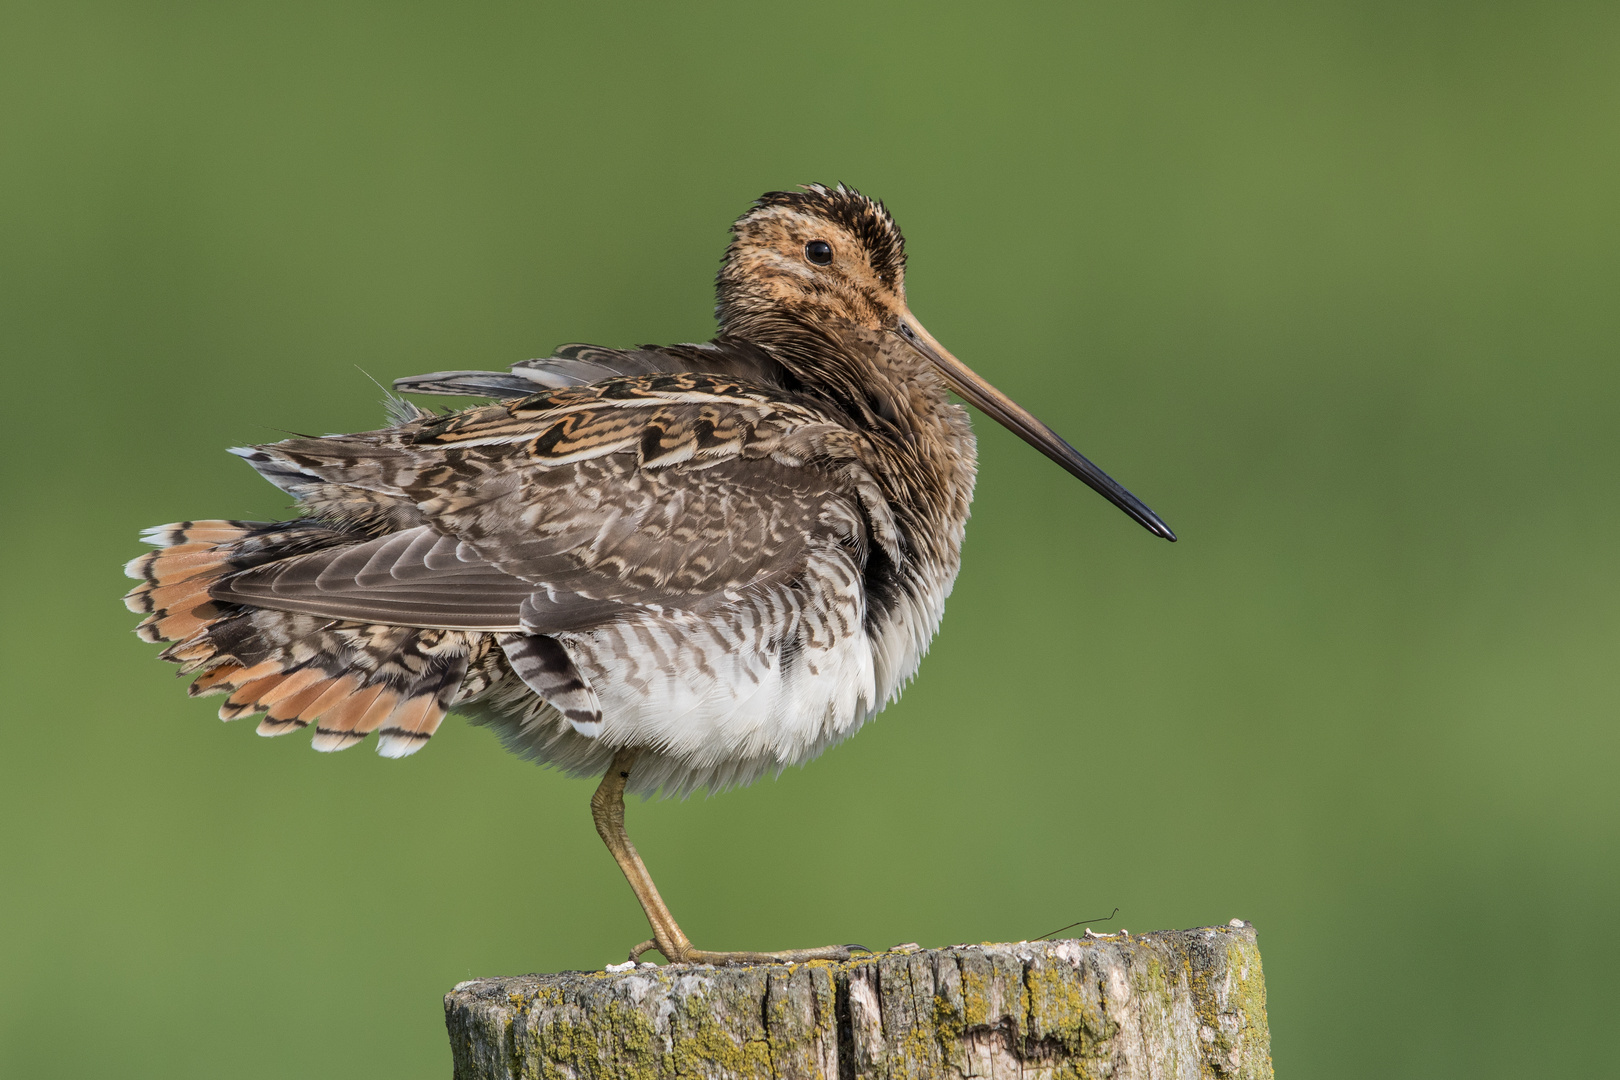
(1182,1003)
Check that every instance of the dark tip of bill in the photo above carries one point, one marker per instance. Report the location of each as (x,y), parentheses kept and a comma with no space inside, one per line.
(1146,518)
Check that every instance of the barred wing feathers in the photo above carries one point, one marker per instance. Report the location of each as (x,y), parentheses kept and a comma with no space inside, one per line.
(448,539)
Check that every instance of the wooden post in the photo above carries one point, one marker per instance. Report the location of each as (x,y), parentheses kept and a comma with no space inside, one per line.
(1186,1003)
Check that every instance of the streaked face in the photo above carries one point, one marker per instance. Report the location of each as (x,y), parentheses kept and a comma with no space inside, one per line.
(797,260)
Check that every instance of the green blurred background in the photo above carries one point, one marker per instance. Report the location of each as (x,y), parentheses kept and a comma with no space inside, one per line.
(1331,286)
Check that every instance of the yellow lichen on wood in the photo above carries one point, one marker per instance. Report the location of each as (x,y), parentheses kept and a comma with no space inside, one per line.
(1155,1004)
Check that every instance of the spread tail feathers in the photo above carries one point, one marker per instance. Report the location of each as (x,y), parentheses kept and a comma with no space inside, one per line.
(347,678)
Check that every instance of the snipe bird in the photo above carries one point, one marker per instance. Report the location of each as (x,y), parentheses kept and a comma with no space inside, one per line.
(674,567)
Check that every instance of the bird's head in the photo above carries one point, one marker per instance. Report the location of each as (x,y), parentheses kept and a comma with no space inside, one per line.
(812,257)
(816,258)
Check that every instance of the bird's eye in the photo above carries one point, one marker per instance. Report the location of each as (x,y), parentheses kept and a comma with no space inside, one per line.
(818,252)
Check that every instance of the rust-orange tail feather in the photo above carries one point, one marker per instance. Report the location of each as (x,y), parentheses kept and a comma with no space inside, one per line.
(348,679)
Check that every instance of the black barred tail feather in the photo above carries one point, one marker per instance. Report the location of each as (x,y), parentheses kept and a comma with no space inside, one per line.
(174,591)
(347,678)
(547,669)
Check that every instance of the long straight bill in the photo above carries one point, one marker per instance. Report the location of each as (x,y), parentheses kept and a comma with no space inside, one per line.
(1015,418)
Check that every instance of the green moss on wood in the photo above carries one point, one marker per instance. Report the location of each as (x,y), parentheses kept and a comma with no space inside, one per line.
(1051,1009)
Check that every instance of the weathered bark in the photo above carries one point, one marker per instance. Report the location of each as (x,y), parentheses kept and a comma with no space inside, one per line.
(1188,1003)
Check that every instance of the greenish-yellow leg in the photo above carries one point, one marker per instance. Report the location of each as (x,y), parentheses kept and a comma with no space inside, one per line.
(607,810)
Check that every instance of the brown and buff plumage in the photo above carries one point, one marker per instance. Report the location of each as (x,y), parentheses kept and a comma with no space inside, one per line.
(698,563)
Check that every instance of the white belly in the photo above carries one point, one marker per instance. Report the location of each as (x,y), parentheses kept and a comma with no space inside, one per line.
(721,698)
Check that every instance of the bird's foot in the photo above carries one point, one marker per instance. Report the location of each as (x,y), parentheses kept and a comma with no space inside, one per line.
(676,954)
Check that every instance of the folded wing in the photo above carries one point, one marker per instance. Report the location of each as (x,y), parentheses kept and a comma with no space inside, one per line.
(572,509)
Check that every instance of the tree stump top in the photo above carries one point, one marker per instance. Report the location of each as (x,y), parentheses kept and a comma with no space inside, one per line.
(1187,1003)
